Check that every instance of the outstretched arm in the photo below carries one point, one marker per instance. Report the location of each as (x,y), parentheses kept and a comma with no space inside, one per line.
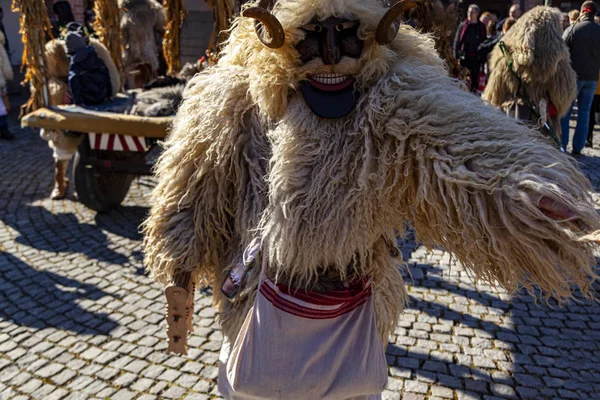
(196,202)
(510,206)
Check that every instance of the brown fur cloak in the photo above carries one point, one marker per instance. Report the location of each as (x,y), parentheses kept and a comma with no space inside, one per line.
(541,59)
(247,157)
(142,26)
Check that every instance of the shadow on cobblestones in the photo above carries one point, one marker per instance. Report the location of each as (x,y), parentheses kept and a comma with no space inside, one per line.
(41,299)
(480,341)
(121,220)
(61,232)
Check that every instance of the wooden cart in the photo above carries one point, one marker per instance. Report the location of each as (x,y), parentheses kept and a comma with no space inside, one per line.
(116,148)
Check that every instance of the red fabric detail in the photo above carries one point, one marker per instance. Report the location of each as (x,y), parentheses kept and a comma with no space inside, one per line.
(463,30)
(111,142)
(138,143)
(311,313)
(97,141)
(331,298)
(552,111)
(482,82)
(123,142)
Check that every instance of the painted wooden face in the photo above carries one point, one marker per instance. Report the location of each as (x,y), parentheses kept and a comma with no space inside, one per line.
(330,95)
(330,40)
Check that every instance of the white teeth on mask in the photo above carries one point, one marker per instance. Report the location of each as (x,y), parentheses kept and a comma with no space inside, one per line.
(329,79)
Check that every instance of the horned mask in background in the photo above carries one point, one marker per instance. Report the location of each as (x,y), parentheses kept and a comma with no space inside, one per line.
(328,88)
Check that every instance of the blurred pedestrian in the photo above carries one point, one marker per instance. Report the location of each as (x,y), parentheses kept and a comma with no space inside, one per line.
(583,40)
(565,21)
(488,45)
(595,110)
(485,18)
(469,35)
(573,16)
(6,74)
(594,116)
(514,12)
(508,23)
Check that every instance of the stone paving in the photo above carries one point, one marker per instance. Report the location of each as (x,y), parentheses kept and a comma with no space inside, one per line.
(79,319)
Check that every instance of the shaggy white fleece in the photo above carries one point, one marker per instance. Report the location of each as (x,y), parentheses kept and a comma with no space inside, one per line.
(246,156)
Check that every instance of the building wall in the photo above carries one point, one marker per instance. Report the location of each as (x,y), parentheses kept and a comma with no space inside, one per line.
(11,25)
(196,30)
(78,7)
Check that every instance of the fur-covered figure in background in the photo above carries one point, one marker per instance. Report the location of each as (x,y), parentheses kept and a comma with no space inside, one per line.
(158,102)
(162,97)
(64,144)
(440,20)
(541,60)
(249,156)
(142,24)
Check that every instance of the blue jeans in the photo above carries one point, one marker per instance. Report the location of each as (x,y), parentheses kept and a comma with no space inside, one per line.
(585,96)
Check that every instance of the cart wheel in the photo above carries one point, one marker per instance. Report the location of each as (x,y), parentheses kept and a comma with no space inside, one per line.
(98,190)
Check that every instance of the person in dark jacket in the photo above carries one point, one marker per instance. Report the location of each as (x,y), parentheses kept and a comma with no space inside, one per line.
(469,35)
(486,47)
(583,40)
(89,79)
(514,12)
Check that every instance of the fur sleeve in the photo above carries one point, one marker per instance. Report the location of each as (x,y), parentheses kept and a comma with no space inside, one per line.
(192,220)
(473,179)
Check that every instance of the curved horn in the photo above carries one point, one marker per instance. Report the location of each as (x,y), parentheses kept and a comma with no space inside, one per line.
(388,25)
(266,20)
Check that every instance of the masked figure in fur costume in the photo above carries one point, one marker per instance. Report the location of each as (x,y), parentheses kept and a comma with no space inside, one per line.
(142,29)
(542,70)
(325,127)
(64,144)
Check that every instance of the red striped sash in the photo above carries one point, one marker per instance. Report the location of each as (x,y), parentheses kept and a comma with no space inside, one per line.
(316,305)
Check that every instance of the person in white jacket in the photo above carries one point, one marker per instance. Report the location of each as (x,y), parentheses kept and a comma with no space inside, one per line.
(6,74)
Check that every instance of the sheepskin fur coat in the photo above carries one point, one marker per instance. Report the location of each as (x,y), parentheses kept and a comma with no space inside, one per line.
(541,59)
(247,157)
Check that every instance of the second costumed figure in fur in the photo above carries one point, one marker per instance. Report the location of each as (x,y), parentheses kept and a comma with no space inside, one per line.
(325,126)
(532,78)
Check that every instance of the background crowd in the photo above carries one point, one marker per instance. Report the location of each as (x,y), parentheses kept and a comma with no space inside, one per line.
(480,32)
(475,38)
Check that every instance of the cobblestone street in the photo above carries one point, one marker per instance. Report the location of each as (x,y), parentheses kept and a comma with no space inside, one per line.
(79,319)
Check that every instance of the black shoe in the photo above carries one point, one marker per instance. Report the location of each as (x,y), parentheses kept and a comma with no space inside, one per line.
(589,144)
(5,134)
(576,154)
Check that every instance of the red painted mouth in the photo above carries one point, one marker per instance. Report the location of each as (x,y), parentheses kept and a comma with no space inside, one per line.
(331,82)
